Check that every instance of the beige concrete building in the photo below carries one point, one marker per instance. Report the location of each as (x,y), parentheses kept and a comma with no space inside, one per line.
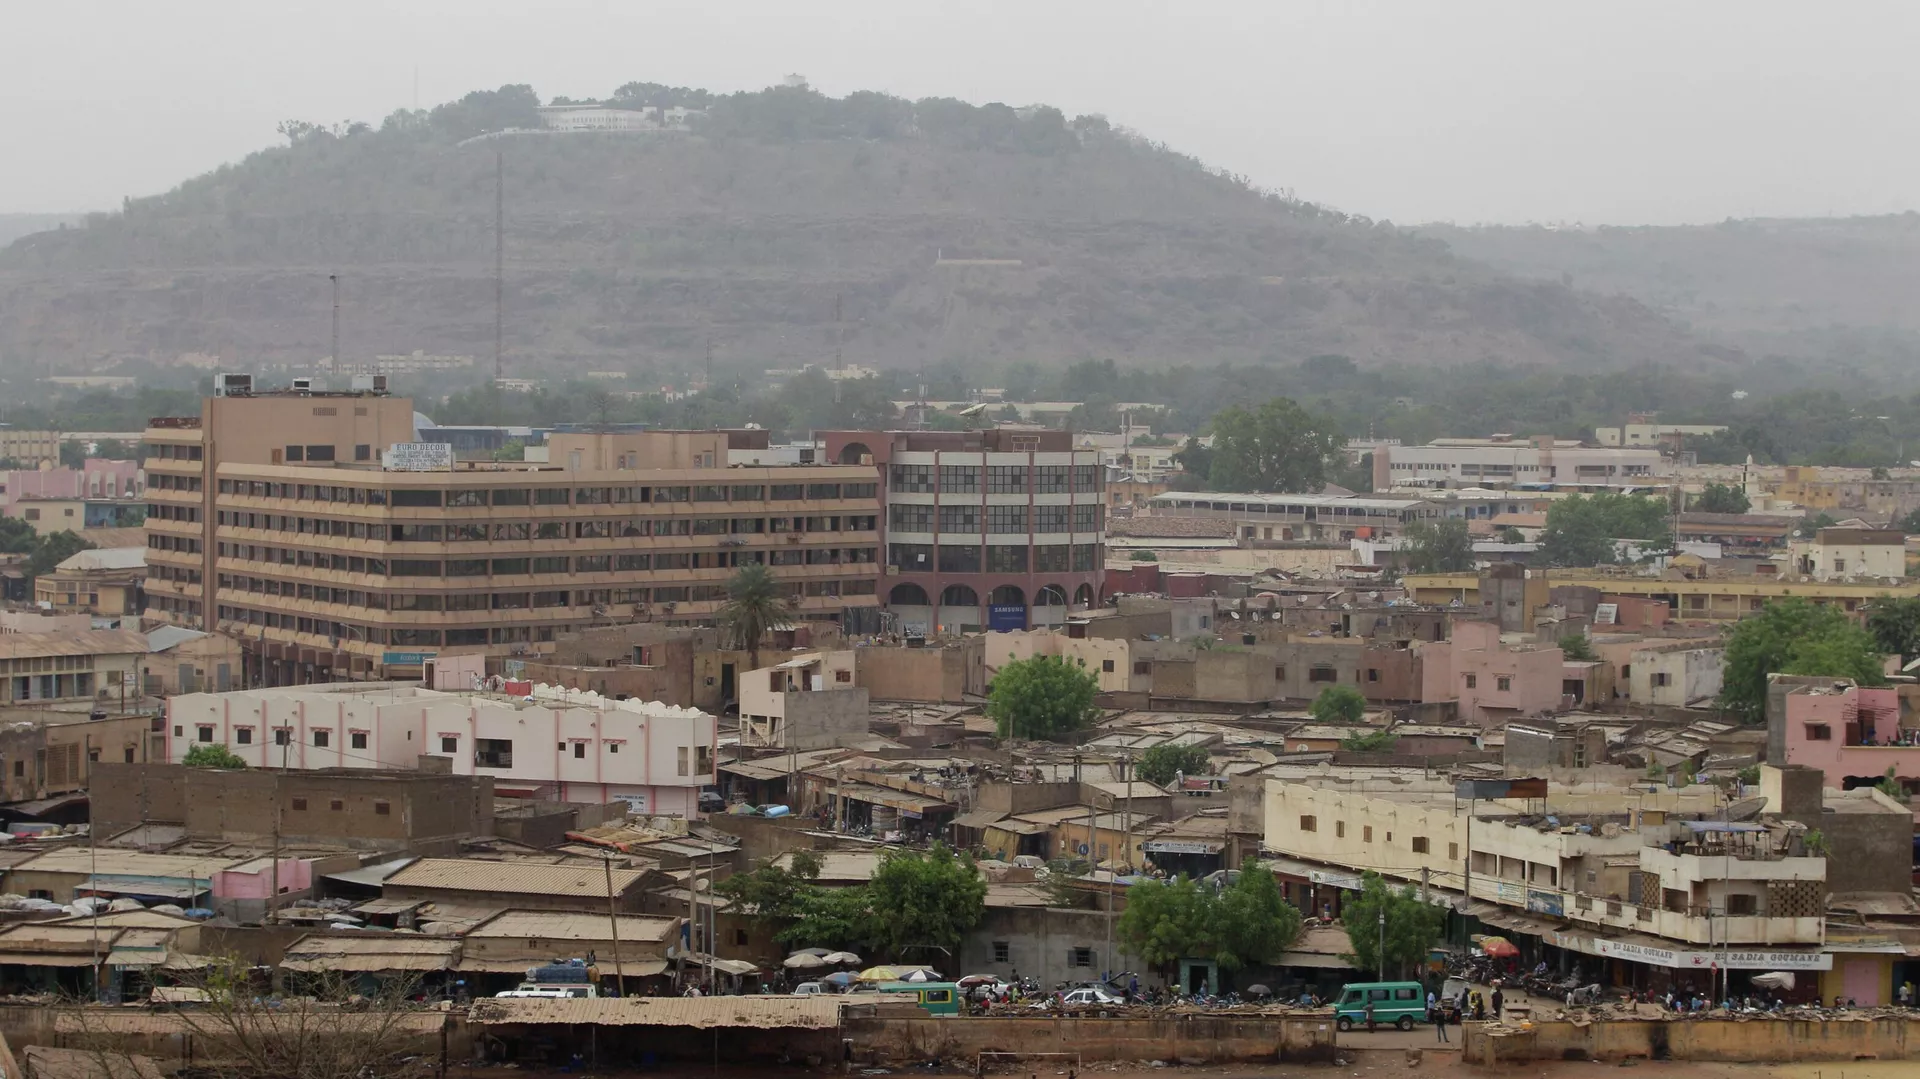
(105,582)
(277,519)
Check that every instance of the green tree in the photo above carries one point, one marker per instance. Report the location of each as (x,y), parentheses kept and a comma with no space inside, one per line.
(1369,741)
(1910,524)
(1162,763)
(1277,446)
(1039,697)
(1197,460)
(923,903)
(1245,924)
(1411,926)
(1339,704)
(771,894)
(1792,636)
(1581,529)
(17,536)
(1143,556)
(839,918)
(512,449)
(1808,526)
(754,608)
(1890,786)
(1722,498)
(208,755)
(1894,622)
(1437,547)
(1257,923)
(1511,534)
(1576,647)
(53,550)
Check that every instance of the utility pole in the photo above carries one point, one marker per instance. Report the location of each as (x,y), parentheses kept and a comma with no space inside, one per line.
(1381,955)
(1423,883)
(334,280)
(613,928)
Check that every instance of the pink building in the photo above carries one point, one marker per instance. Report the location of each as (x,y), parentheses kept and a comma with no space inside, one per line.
(101,478)
(1492,680)
(1851,733)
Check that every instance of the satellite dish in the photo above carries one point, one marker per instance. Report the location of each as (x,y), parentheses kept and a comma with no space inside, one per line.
(1746,810)
(973,410)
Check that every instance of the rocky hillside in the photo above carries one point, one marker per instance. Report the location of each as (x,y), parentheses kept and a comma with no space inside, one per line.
(939,231)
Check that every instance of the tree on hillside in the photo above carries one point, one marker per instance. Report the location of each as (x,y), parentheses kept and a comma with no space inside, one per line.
(1411,926)
(1041,696)
(208,755)
(1339,704)
(1511,534)
(17,536)
(754,608)
(1792,636)
(924,903)
(1277,446)
(1810,526)
(1894,622)
(1438,546)
(1162,763)
(1721,498)
(1581,529)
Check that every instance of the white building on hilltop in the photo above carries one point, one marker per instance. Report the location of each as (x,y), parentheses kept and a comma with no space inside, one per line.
(562,744)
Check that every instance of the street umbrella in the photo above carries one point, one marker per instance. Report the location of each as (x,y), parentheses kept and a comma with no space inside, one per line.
(841,979)
(813,951)
(803,961)
(878,974)
(1259,991)
(920,975)
(1498,947)
(972,980)
(846,959)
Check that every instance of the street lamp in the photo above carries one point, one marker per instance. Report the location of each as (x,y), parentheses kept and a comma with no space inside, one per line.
(1380,972)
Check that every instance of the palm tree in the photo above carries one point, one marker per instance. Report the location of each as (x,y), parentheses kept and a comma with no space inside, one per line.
(754,607)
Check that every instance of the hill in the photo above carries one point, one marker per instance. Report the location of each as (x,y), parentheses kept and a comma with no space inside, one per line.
(1831,289)
(938,230)
(14,226)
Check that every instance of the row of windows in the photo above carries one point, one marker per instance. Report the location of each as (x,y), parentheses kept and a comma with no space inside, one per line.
(510,567)
(163,512)
(166,481)
(999,479)
(1319,512)
(1000,520)
(160,571)
(473,497)
(968,558)
(167,451)
(46,664)
(183,544)
(510,531)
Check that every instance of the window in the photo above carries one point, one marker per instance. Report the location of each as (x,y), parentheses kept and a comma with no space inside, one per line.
(300,805)
(1340,829)
(957,559)
(449,744)
(1005,520)
(1419,844)
(1816,732)
(1079,957)
(1503,683)
(1662,678)
(320,739)
(319,453)
(243,735)
(613,747)
(1366,833)
(282,736)
(683,760)
(1320,672)
(336,805)
(1307,824)
(362,452)
(910,477)
(1002,951)
(1280,673)
(357,739)
(905,517)
(493,752)
(1141,666)
(960,479)
(205,733)
(1373,674)
(383,808)
(1453,852)
(1742,906)
(959,518)
(1473,681)
(1007,479)
(1106,666)
(579,751)
(1050,479)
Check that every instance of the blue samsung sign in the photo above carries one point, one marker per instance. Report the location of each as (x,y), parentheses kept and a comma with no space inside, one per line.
(1006,618)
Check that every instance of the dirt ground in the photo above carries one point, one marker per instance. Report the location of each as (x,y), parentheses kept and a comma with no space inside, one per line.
(1366,1062)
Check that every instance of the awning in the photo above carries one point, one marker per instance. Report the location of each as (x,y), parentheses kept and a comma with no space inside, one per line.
(371,876)
(1507,918)
(1313,959)
(1020,827)
(158,887)
(47,805)
(131,957)
(979,818)
(45,959)
(389,906)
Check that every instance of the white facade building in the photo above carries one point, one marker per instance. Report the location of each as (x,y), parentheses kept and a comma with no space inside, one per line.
(1654,434)
(1473,462)
(569,745)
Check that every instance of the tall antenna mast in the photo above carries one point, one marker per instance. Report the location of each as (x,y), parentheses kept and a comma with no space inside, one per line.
(499,277)
(839,335)
(334,280)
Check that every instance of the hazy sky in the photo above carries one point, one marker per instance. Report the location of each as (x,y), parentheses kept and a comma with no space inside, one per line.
(1617,111)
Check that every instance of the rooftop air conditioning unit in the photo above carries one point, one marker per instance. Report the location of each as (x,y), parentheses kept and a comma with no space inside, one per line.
(303,385)
(379,383)
(226,385)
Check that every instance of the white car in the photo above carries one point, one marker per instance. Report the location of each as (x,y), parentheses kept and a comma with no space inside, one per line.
(1092,994)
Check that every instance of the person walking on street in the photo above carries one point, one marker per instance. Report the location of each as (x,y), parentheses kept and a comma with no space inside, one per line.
(1369,1010)
(1497,998)
(1438,1014)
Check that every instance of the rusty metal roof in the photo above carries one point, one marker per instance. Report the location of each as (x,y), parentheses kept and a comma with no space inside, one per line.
(475,875)
(384,951)
(701,1013)
(93,642)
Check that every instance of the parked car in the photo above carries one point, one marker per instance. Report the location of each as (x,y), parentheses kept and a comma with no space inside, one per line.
(1400,1004)
(811,989)
(1092,994)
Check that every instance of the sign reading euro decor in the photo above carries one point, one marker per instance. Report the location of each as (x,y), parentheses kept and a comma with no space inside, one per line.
(419,457)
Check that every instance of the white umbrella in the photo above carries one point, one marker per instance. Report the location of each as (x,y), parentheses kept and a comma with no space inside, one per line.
(845,958)
(921,975)
(803,961)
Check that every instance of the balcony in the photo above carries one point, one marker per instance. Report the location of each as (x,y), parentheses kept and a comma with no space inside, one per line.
(1687,926)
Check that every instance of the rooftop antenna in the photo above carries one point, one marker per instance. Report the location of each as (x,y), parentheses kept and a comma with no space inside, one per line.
(499,277)
(709,374)
(334,280)
(839,335)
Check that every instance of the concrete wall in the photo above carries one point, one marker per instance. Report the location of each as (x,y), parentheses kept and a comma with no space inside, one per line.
(946,674)
(1672,676)
(820,720)
(1193,1039)
(1769,1040)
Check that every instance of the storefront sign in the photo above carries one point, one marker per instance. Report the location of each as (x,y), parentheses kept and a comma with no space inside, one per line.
(406,659)
(1638,953)
(1348,881)
(419,457)
(1006,618)
(1545,903)
(1181,846)
(1734,959)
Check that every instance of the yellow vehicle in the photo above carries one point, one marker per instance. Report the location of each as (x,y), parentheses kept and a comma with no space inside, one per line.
(938,998)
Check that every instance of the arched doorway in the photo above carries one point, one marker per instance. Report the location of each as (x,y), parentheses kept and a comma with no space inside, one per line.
(1008,595)
(1007,608)
(852,452)
(1083,596)
(908,595)
(959,595)
(959,609)
(1051,596)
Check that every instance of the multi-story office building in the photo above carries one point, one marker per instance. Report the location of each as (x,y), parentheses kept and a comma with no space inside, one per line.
(1504,460)
(994,529)
(273,518)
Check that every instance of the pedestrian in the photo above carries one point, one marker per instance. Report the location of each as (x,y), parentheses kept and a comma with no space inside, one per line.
(1497,999)
(1906,994)
(1465,1001)
(1438,1015)
(1369,1011)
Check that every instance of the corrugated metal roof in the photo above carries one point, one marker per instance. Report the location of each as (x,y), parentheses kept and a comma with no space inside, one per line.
(701,1013)
(567,925)
(371,953)
(471,875)
(93,642)
(106,558)
(162,638)
(371,875)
